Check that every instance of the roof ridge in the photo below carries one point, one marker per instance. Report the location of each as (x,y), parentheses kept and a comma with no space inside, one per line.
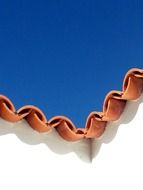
(96,122)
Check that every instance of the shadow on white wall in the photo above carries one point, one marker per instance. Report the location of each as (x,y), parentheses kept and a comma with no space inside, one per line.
(52,139)
(85,149)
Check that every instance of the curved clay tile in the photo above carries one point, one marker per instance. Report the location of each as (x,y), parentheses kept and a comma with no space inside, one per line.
(96,122)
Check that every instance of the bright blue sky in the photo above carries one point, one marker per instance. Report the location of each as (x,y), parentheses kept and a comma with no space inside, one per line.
(64,56)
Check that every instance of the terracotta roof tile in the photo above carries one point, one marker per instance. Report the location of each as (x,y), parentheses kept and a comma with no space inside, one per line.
(96,122)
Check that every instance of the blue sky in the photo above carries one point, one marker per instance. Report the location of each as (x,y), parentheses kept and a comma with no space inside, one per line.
(64,56)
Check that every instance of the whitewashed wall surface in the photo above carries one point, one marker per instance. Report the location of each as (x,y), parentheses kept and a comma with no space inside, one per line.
(29,160)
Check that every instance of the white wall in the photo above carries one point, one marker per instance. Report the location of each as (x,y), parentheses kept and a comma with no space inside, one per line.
(45,161)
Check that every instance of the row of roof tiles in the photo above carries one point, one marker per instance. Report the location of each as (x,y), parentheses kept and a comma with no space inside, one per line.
(96,122)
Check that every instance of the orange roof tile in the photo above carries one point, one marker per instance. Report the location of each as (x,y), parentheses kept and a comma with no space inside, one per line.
(96,122)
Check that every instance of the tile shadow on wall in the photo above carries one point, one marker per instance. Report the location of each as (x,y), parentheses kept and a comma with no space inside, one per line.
(51,139)
(86,149)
